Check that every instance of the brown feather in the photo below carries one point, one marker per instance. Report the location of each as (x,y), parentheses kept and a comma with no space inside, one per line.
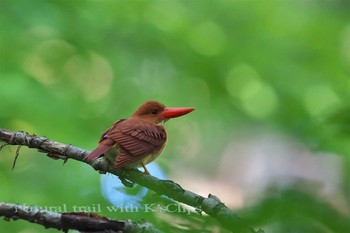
(137,140)
(104,145)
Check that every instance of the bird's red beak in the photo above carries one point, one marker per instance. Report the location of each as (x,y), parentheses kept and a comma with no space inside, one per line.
(175,112)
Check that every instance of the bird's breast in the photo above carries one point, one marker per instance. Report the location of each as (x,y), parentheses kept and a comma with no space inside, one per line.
(147,159)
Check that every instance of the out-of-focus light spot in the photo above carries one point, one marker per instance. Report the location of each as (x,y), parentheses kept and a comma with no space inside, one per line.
(93,75)
(320,99)
(40,32)
(239,77)
(173,15)
(251,171)
(43,63)
(36,67)
(208,39)
(258,99)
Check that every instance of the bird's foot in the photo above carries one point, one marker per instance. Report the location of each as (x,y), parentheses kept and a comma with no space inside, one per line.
(146,172)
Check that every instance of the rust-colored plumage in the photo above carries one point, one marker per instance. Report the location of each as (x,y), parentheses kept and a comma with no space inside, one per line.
(138,140)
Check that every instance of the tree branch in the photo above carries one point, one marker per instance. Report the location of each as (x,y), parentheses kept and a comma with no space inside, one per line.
(76,221)
(210,205)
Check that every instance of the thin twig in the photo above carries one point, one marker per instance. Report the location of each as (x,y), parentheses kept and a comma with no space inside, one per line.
(16,157)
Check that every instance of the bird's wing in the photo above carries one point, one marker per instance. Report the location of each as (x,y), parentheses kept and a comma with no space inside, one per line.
(104,144)
(137,140)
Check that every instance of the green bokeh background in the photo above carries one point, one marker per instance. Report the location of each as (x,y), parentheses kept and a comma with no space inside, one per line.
(68,69)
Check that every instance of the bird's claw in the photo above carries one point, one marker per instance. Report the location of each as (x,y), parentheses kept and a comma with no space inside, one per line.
(146,172)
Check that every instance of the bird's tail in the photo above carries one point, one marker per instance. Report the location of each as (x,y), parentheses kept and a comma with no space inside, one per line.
(102,148)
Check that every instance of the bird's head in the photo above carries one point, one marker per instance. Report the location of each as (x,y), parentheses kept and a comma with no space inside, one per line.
(156,113)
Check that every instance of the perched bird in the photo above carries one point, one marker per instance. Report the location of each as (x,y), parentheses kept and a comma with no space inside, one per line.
(138,140)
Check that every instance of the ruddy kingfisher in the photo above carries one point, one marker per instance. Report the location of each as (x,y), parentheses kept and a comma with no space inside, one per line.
(138,140)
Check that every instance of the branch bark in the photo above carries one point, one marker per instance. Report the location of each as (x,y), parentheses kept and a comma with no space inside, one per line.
(210,205)
(76,221)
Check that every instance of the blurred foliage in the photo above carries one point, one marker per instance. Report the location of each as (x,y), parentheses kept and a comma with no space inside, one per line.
(68,69)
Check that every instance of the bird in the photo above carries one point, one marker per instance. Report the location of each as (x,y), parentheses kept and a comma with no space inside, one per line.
(139,139)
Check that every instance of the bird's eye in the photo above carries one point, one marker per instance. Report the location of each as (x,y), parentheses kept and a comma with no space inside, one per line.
(154,111)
